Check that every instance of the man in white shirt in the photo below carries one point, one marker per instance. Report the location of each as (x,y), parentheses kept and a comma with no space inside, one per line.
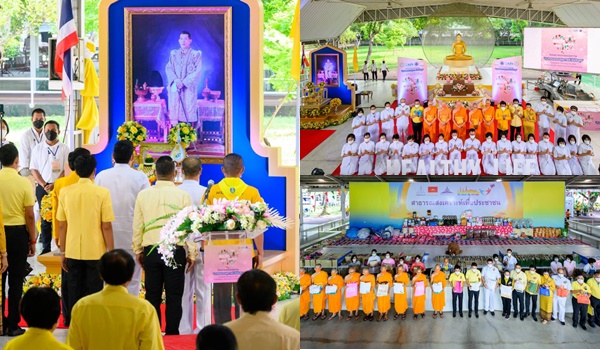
(574,123)
(559,303)
(31,138)
(509,260)
(373,70)
(194,281)
(365,70)
(490,276)
(47,164)
(544,112)
(256,329)
(401,114)
(384,70)
(472,146)
(124,183)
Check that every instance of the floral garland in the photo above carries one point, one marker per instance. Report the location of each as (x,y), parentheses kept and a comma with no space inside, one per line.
(44,279)
(46,207)
(287,283)
(182,133)
(132,131)
(458,87)
(192,222)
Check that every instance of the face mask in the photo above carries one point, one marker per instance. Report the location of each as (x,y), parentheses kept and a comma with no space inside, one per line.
(373,254)
(544,103)
(372,111)
(410,142)
(427,142)
(417,260)
(502,108)
(474,269)
(489,139)
(516,104)
(504,139)
(518,139)
(367,140)
(416,105)
(496,259)
(562,145)
(490,264)
(382,139)
(403,104)
(556,259)
(509,254)
(561,275)
(518,270)
(396,141)
(568,260)
(51,135)
(38,124)
(401,263)
(457,272)
(388,108)
(597,279)
(387,256)
(546,140)
(574,112)
(350,142)
(472,136)
(360,114)
(354,260)
(532,271)
(587,142)
(3,132)
(580,281)
(454,137)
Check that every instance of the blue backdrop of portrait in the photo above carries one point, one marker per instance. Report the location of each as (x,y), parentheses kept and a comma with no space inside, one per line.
(343,92)
(271,188)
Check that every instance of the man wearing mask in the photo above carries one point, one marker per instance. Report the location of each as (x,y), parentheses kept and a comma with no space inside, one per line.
(472,146)
(519,283)
(31,138)
(594,284)
(518,154)
(563,286)
(517,119)
(473,277)
(498,263)
(503,118)
(509,261)
(374,257)
(48,161)
(402,112)
(372,123)
(579,291)
(387,121)
(491,277)
(533,287)
(574,123)
(544,112)
(416,114)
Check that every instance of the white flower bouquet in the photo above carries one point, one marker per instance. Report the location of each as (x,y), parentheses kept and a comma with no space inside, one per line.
(236,215)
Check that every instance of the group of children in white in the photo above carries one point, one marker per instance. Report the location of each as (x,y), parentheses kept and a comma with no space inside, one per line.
(396,154)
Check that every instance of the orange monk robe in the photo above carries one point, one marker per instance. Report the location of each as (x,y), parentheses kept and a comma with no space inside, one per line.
(475,120)
(384,303)
(419,302)
(430,124)
(489,115)
(353,302)
(335,300)
(439,300)
(320,279)
(305,282)
(445,117)
(460,122)
(401,300)
(368,300)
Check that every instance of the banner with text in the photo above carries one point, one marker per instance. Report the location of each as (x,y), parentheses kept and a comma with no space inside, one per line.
(412,79)
(565,49)
(507,79)
(226,263)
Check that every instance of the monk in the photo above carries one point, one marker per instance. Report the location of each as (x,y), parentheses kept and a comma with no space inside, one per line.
(305,282)
(384,303)
(489,115)
(419,301)
(475,120)
(400,299)
(438,300)
(352,280)
(335,300)
(444,118)
(459,116)
(319,278)
(430,122)
(368,298)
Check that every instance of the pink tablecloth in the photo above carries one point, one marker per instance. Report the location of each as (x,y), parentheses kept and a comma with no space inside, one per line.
(502,231)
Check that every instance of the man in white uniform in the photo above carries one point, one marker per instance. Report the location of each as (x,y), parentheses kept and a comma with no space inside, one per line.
(124,183)
(373,122)
(490,276)
(384,70)
(374,70)
(455,147)
(47,164)
(30,139)
(574,123)
(365,70)
(509,261)
(194,281)
(358,125)
(402,112)
(472,146)
(387,121)
(544,112)
(559,303)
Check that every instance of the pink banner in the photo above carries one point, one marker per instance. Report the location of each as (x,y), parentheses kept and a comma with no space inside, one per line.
(507,80)
(591,119)
(412,79)
(226,263)
(565,49)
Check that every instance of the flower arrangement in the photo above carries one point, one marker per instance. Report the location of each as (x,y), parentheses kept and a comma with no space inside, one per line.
(182,133)
(132,131)
(335,103)
(43,279)
(192,222)
(458,87)
(287,283)
(46,207)
(458,76)
(441,92)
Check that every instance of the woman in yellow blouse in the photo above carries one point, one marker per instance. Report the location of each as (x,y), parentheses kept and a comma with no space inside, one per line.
(419,301)
(319,278)
(305,282)
(547,286)
(438,300)
(368,299)
(335,300)
(383,302)
(400,300)
(352,303)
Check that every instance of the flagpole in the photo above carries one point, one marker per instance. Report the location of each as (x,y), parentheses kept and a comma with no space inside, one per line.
(298,99)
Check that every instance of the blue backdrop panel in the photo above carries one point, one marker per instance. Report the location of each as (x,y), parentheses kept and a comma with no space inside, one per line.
(343,92)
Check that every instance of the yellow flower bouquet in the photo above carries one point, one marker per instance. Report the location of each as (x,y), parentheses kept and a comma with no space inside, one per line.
(286,283)
(336,102)
(46,207)
(132,131)
(182,133)
(44,279)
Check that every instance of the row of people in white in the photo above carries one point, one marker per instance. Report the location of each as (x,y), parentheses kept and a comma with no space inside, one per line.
(362,124)
(569,123)
(386,157)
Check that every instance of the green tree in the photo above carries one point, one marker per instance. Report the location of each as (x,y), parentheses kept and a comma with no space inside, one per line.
(278,17)
(395,33)
(9,27)
(368,32)
(91,24)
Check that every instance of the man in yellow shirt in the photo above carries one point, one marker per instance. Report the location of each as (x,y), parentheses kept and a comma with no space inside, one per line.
(85,217)
(416,114)
(40,308)
(455,279)
(529,120)
(230,188)
(113,318)
(579,288)
(152,203)
(516,121)
(17,201)
(474,282)
(533,287)
(519,283)
(503,117)
(594,284)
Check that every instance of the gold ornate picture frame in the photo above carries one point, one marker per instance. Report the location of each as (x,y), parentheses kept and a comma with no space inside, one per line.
(204,65)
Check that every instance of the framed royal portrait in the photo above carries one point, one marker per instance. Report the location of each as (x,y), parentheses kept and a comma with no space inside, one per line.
(178,77)
(327,69)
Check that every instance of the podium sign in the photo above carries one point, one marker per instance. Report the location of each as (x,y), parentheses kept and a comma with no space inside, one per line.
(226,263)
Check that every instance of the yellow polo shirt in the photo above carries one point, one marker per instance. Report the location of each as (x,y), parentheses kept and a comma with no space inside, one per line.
(529,118)
(114,319)
(473,277)
(84,207)
(2,233)
(38,339)
(231,188)
(533,278)
(575,286)
(457,278)
(415,117)
(595,287)
(503,117)
(516,119)
(16,197)
(61,183)
(153,203)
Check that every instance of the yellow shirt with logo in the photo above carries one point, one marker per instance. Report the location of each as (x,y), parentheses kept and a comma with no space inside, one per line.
(61,183)
(529,118)
(503,117)
(517,113)
(595,287)
(457,278)
(473,277)
(533,278)
(415,117)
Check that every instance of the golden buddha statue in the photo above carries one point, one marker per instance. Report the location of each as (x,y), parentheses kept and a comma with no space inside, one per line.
(459,48)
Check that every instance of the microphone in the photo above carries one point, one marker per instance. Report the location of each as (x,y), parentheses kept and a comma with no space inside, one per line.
(210,185)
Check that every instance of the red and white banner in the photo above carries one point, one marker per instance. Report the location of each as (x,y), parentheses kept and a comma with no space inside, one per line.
(507,80)
(412,79)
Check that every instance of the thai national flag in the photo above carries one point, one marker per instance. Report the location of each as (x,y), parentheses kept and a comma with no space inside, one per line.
(67,38)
